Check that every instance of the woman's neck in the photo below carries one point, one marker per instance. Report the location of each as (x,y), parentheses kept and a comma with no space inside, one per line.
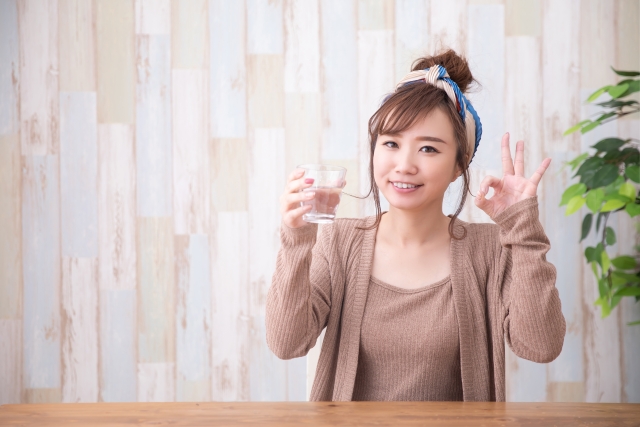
(404,228)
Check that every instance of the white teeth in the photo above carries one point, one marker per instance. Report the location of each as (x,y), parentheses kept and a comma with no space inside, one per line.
(403,185)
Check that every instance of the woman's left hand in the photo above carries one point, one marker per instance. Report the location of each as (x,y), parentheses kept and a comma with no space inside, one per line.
(513,186)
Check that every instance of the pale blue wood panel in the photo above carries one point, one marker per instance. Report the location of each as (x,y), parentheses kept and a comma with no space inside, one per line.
(486,59)
(154,126)
(79,174)
(339,68)
(11,361)
(227,70)
(118,381)
(38,26)
(230,307)
(301,47)
(566,256)
(412,34)
(264,27)
(193,318)
(41,271)
(9,68)
(448,24)
(156,291)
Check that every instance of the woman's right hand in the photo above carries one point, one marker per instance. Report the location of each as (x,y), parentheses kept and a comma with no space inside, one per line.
(292,196)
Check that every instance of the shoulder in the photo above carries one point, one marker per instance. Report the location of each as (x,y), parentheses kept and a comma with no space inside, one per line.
(346,233)
(478,236)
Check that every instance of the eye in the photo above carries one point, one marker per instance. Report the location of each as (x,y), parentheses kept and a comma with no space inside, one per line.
(390,144)
(428,149)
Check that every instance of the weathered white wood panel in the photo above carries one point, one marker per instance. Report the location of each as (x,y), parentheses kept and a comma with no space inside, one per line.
(230,307)
(11,226)
(228,70)
(11,361)
(118,332)
(38,25)
(339,74)
(264,27)
(156,382)
(41,272)
(77,45)
(115,53)
(375,80)
(448,26)
(265,102)
(9,68)
(191,198)
(597,22)
(302,129)
(301,46)
(193,318)
(154,152)
(116,207)
(412,34)
(189,34)
(78,174)
(229,166)
(79,329)
(153,17)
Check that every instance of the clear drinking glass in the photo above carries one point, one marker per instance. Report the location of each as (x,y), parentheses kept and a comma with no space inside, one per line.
(328,181)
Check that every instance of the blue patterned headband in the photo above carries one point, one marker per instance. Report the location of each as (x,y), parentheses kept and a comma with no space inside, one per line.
(438,77)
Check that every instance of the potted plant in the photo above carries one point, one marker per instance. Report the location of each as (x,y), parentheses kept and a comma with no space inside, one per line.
(606,187)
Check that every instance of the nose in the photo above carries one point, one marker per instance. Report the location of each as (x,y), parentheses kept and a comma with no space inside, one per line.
(405,163)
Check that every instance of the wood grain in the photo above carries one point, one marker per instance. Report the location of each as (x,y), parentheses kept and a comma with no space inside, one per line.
(189,34)
(116,207)
(77,40)
(115,56)
(191,197)
(265,91)
(11,361)
(326,414)
(448,24)
(153,17)
(156,382)
(302,129)
(412,34)
(597,23)
(229,164)
(264,27)
(38,25)
(375,14)
(301,47)
(79,329)
(153,127)
(9,68)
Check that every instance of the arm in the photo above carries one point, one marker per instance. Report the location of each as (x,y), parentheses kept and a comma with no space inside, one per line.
(534,325)
(299,299)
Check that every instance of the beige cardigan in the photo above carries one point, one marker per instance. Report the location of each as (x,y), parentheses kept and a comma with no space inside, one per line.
(503,290)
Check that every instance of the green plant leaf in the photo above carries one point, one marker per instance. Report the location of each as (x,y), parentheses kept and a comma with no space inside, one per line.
(572,129)
(604,176)
(634,86)
(635,322)
(604,305)
(606,262)
(603,287)
(609,144)
(606,116)
(624,262)
(616,196)
(594,200)
(589,127)
(594,268)
(633,209)
(631,156)
(610,236)
(586,226)
(592,163)
(600,215)
(633,173)
(625,73)
(575,162)
(629,291)
(612,205)
(616,103)
(629,278)
(595,95)
(575,203)
(591,254)
(627,189)
(574,190)
(617,90)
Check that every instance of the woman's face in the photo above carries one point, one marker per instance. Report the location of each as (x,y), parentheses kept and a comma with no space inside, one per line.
(414,168)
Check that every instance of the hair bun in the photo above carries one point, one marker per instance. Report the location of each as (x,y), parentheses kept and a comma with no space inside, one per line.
(456,66)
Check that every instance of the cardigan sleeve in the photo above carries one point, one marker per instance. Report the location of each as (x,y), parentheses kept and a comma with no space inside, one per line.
(534,325)
(299,299)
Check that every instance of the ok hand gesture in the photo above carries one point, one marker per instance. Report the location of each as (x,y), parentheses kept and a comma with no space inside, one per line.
(513,187)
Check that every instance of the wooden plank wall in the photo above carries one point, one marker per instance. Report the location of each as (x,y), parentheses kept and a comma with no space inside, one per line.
(144,145)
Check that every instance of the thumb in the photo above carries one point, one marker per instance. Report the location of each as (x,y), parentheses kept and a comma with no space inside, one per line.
(482,202)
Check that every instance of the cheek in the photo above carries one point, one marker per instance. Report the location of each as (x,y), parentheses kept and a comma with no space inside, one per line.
(381,165)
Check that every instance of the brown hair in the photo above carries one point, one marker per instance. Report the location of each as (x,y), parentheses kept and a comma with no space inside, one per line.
(413,102)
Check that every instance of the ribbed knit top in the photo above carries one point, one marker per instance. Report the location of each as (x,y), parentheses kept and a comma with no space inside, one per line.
(409,347)
(502,285)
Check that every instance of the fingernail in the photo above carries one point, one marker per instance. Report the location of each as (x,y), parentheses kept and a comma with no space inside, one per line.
(308,180)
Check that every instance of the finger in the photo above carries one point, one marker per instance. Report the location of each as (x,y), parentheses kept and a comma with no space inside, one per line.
(295,174)
(294,214)
(519,163)
(299,184)
(483,203)
(537,175)
(507,163)
(294,199)
(490,181)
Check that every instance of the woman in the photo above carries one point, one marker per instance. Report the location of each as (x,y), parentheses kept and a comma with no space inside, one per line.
(418,305)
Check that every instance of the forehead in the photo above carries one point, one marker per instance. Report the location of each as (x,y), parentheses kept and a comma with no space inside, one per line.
(434,123)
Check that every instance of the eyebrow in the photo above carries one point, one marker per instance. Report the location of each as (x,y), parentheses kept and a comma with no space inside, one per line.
(422,138)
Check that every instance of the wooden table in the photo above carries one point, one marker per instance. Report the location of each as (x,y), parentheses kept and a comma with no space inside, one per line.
(283,414)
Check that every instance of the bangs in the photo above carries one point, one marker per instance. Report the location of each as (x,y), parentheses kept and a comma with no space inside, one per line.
(406,107)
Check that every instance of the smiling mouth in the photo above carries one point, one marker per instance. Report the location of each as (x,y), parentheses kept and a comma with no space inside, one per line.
(405,185)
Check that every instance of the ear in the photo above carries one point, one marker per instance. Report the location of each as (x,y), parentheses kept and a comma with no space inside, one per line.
(456,174)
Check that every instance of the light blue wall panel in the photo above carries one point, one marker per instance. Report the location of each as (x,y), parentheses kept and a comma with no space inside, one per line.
(9,67)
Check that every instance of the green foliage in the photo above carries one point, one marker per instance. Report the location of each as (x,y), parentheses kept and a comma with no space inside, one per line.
(606,178)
